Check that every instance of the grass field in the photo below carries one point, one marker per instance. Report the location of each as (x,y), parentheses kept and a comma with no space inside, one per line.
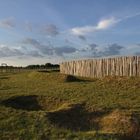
(53,106)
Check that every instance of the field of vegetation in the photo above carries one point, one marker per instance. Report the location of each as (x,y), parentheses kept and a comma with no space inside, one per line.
(52,106)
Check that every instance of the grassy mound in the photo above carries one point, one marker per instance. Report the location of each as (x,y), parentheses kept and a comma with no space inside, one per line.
(121,123)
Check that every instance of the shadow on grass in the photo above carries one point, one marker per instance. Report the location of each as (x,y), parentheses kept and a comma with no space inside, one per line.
(75,117)
(29,103)
(71,78)
(4,77)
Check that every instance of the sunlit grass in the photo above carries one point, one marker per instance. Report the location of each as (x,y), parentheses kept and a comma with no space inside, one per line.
(53,91)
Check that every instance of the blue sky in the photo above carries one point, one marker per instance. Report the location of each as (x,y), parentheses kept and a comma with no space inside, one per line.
(41,31)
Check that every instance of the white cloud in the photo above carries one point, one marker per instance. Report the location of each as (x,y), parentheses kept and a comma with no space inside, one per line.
(131,16)
(102,25)
(106,23)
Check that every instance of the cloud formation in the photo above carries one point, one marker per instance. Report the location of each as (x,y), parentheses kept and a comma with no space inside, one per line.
(47,49)
(7,23)
(102,25)
(50,30)
(38,50)
(33,53)
(6,51)
(113,49)
(31,41)
(110,50)
(93,46)
(137,53)
(44,49)
(82,37)
(64,50)
(97,51)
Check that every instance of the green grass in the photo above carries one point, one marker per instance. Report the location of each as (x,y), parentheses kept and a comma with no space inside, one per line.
(21,92)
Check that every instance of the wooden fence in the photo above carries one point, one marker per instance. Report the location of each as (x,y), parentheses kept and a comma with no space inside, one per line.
(119,66)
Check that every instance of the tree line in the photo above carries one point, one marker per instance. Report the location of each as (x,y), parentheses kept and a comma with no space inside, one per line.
(37,66)
(45,66)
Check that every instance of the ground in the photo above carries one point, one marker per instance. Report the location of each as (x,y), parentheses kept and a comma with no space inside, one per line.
(52,106)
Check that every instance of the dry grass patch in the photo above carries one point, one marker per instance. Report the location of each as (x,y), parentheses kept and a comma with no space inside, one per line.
(121,123)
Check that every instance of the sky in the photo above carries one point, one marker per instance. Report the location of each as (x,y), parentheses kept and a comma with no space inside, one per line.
(53,31)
